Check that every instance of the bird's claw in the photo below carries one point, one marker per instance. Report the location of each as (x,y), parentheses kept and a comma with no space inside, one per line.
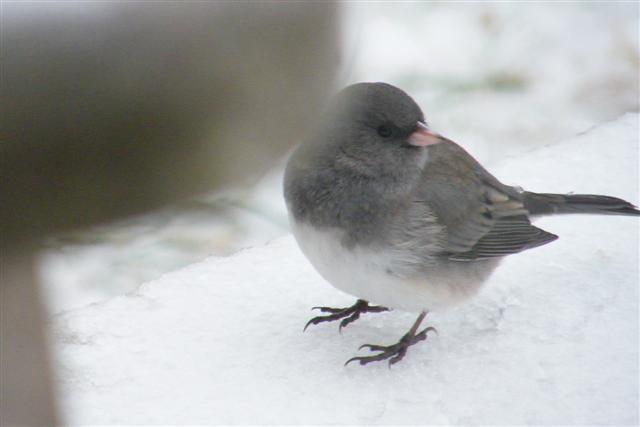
(348,314)
(328,309)
(352,318)
(395,352)
(372,347)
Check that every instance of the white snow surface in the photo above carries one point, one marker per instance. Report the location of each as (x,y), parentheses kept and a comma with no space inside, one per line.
(551,339)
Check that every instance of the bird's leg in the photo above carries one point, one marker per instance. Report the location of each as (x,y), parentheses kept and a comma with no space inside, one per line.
(348,314)
(395,352)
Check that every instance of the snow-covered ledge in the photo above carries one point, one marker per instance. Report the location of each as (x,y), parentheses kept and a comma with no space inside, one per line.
(552,339)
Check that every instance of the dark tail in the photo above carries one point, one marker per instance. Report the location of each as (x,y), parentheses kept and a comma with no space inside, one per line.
(549,204)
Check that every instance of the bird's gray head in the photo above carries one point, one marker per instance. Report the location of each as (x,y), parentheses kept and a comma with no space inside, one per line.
(366,155)
(377,126)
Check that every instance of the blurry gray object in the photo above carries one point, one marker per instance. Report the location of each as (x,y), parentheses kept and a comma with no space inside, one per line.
(111,109)
(149,102)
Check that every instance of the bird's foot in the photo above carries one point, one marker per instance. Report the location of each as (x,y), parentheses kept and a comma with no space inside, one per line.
(394,352)
(348,314)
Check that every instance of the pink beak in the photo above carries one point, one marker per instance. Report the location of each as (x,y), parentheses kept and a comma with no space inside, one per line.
(422,136)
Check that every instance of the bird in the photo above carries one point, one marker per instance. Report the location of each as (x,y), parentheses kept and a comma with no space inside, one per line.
(393,213)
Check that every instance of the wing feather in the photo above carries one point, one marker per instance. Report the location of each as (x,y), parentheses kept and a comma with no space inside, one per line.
(488,218)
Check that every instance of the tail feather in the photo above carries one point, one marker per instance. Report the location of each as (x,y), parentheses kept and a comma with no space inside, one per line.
(548,204)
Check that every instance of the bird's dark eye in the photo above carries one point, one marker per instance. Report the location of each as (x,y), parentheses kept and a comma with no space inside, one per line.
(385,131)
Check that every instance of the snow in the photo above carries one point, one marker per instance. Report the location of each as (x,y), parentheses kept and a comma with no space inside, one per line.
(115,259)
(502,76)
(552,338)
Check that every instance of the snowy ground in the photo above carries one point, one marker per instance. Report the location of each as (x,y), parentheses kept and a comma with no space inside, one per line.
(501,78)
(553,338)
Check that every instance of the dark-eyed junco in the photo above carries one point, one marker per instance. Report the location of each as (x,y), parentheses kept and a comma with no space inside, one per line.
(393,213)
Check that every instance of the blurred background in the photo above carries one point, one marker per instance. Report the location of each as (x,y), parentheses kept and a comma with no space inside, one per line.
(499,78)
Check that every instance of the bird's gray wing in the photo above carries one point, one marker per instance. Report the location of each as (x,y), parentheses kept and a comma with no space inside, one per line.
(481,217)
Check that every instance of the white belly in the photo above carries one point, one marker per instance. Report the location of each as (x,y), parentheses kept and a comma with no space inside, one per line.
(372,275)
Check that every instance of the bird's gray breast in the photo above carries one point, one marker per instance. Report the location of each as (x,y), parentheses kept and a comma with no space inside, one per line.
(368,212)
